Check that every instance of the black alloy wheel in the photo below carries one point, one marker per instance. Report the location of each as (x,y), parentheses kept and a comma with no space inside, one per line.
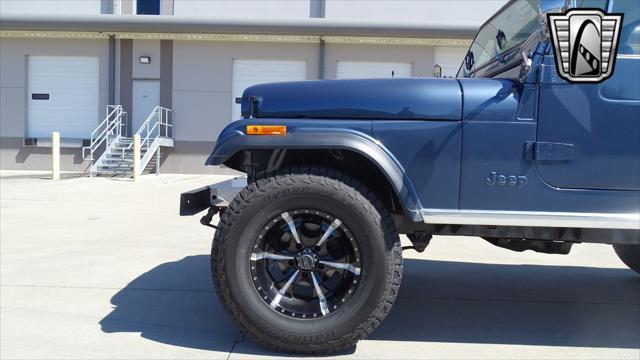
(305,263)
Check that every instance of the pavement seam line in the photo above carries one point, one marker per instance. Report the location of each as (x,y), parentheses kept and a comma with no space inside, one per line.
(102,288)
(399,297)
(239,339)
(126,321)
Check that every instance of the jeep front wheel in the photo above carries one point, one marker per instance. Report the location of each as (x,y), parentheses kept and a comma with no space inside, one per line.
(629,254)
(308,261)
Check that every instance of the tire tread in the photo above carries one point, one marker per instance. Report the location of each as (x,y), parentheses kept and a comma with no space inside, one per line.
(339,182)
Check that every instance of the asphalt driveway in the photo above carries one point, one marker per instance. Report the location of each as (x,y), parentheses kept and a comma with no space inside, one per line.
(105,268)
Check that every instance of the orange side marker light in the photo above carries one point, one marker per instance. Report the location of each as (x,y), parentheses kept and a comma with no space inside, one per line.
(266,130)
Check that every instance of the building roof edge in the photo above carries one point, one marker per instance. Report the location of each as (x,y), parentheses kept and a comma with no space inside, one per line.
(201,25)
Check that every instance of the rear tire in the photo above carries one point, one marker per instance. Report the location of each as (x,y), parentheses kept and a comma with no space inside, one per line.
(255,245)
(629,254)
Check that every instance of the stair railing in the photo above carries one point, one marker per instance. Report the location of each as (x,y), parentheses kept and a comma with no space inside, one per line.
(155,127)
(108,131)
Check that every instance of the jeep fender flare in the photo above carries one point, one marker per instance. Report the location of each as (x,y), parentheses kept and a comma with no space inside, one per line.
(332,138)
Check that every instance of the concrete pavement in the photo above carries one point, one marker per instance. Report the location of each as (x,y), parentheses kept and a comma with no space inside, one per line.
(105,268)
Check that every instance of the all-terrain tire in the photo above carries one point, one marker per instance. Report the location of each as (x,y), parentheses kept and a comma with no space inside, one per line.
(330,192)
(629,254)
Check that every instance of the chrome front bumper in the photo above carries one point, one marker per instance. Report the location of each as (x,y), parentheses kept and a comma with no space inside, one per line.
(218,195)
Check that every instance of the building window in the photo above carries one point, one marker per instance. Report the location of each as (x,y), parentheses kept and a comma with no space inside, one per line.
(148,7)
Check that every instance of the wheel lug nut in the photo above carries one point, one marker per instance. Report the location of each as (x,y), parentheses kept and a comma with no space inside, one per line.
(316,248)
(304,274)
(320,266)
(291,262)
(298,246)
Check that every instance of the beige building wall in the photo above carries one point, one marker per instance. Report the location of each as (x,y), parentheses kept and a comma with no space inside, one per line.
(149,48)
(202,98)
(202,79)
(420,56)
(200,87)
(427,12)
(13,95)
(245,9)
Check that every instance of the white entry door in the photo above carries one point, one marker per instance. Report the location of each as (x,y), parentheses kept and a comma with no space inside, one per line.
(62,95)
(372,70)
(146,96)
(247,73)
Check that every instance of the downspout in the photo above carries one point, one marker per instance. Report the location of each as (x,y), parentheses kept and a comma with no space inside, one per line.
(112,70)
(318,10)
(321,58)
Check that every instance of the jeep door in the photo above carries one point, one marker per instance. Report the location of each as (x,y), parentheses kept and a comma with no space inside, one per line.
(590,133)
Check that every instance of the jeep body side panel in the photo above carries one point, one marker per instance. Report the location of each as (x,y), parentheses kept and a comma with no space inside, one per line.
(495,132)
(429,152)
(498,121)
(601,121)
(322,134)
(367,99)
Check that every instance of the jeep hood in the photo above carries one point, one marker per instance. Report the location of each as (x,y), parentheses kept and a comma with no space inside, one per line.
(403,99)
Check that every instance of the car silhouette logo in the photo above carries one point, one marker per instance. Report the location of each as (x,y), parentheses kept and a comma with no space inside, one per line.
(585,42)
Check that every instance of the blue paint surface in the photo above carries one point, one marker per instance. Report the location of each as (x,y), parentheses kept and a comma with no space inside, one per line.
(602,121)
(429,152)
(470,143)
(408,99)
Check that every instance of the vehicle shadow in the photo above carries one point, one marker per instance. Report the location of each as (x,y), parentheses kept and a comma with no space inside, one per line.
(439,301)
(461,302)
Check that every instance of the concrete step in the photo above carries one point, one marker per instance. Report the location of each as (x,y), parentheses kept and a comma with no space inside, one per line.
(126,152)
(112,173)
(121,147)
(118,153)
(116,163)
(115,168)
(118,157)
(117,160)
(125,158)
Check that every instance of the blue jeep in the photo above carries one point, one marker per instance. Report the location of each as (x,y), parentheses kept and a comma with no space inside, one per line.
(307,256)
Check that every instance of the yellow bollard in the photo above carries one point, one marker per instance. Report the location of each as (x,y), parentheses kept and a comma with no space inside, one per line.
(136,157)
(55,155)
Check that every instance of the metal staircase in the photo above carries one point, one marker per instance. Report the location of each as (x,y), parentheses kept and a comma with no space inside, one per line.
(117,157)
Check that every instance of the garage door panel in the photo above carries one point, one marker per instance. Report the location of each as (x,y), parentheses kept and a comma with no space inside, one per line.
(450,59)
(247,73)
(73,87)
(372,70)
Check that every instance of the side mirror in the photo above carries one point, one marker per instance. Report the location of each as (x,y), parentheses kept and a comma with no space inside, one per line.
(469,61)
(501,40)
(526,52)
(437,71)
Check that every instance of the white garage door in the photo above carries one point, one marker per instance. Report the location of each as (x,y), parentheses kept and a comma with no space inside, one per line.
(62,95)
(450,59)
(370,70)
(247,73)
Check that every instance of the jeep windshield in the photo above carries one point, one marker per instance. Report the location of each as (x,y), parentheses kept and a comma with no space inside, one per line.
(505,31)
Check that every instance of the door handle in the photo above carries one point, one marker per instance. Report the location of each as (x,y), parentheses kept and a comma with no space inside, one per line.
(549,151)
